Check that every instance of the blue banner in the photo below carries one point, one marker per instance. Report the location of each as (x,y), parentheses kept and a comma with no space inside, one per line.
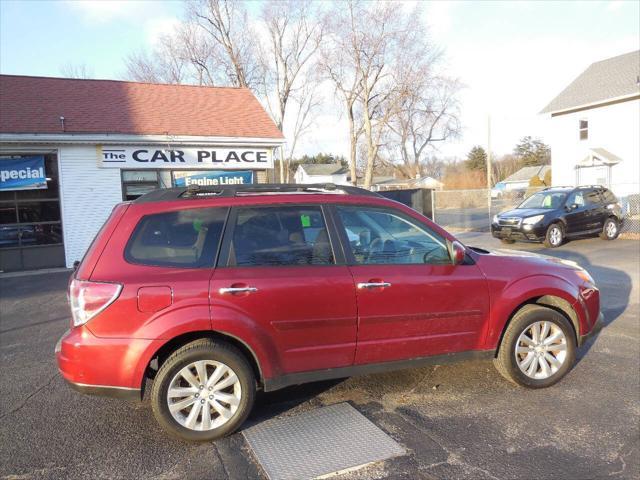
(26,173)
(208,178)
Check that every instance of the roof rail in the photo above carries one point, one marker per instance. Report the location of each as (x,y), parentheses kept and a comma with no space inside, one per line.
(197,191)
(574,186)
(559,186)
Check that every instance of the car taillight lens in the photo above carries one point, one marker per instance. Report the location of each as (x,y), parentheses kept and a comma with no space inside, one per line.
(87,299)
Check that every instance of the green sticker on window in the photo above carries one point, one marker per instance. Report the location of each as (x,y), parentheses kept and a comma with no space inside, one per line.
(306,220)
(197,225)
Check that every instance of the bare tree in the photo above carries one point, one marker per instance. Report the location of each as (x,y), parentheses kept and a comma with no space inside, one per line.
(166,63)
(294,35)
(428,113)
(378,41)
(76,70)
(229,37)
(340,67)
(306,102)
(199,53)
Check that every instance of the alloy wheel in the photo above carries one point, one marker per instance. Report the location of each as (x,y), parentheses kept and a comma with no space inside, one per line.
(555,236)
(204,395)
(612,229)
(541,350)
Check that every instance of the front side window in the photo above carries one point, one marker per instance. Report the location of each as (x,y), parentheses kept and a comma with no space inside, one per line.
(576,198)
(280,236)
(380,236)
(184,238)
(551,200)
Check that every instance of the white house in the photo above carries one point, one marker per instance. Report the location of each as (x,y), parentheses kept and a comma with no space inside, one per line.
(392,183)
(520,180)
(322,173)
(595,127)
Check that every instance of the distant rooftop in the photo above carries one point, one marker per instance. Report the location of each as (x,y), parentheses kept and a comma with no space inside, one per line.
(604,80)
(526,173)
(323,168)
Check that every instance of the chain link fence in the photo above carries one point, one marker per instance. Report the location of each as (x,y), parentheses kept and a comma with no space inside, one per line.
(472,210)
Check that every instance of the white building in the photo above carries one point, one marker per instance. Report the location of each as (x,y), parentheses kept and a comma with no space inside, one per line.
(392,183)
(595,127)
(72,149)
(322,173)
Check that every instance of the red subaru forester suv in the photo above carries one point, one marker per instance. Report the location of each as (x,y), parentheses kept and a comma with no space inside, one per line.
(211,293)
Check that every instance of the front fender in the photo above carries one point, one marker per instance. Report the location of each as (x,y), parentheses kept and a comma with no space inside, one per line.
(505,302)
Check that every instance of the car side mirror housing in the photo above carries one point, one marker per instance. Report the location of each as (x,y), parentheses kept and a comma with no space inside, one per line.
(458,252)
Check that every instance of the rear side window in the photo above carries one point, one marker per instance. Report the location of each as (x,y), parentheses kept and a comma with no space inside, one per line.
(608,196)
(184,238)
(280,236)
(591,198)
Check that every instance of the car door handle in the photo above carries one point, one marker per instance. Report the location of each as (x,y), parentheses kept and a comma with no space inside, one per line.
(374,285)
(224,291)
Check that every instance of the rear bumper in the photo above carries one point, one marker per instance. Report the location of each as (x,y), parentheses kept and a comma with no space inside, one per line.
(131,394)
(102,366)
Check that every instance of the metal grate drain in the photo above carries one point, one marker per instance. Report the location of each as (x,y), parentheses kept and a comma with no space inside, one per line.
(318,443)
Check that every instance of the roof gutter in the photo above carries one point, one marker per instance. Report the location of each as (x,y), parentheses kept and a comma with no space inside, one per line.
(588,106)
(122,139)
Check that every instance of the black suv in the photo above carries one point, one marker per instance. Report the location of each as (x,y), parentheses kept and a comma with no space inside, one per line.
(556,213)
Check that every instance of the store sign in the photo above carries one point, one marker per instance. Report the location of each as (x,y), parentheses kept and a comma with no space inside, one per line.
(26,173)
(158,157)
(211,178)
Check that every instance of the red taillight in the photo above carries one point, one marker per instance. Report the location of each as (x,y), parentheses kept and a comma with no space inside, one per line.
(87,299)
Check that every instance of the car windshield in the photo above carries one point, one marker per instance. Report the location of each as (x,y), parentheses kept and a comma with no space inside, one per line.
(549,200)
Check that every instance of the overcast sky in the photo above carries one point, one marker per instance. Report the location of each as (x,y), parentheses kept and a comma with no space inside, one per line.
(513,57)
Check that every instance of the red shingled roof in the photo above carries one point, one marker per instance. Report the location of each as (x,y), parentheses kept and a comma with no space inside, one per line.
(35,105)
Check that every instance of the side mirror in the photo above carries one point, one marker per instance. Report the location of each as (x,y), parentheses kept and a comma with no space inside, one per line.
(458,252)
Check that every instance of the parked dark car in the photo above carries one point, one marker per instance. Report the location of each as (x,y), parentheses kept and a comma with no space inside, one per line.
(557,213)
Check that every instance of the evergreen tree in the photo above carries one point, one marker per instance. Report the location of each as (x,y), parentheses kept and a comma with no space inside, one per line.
(476,159)
(532,152)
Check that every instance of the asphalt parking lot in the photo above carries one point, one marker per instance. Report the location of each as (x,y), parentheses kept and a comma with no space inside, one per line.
(456,421)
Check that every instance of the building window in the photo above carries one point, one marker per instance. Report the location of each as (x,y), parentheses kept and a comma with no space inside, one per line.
(584,129)
(136,183)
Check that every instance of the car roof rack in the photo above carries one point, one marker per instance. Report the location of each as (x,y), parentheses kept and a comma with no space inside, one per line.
(197,191)
(574,186)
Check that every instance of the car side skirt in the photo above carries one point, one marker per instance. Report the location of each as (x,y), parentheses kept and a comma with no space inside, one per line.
(271,384)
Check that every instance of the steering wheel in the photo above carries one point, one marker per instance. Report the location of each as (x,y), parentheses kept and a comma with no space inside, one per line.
(376,246)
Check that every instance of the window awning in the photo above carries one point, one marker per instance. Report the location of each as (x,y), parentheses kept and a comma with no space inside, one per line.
(598,157)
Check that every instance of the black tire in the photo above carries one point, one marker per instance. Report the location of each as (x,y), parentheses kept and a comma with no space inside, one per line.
(528,315)
(507,241)
(202,349)
(610,229)
(550,239)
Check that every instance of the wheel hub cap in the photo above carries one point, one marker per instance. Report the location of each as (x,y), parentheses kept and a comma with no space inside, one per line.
(541,350)
(207,411)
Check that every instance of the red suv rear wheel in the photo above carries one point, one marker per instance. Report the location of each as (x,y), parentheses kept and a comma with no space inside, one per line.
(203,391)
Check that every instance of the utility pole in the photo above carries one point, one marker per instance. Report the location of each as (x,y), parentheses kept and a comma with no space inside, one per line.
(489,183)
